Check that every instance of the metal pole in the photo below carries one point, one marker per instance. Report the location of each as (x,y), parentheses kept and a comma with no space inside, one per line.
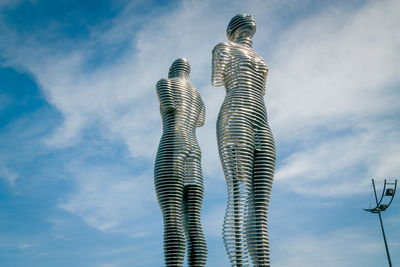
(384,239)
(383,230)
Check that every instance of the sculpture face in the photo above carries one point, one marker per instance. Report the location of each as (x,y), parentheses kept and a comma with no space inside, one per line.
(242,24)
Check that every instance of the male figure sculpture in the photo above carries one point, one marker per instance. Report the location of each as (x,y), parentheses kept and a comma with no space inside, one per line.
(245,142)
(177,174)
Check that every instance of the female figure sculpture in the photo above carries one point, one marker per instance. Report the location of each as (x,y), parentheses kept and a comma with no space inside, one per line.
(177,174)
(245,142)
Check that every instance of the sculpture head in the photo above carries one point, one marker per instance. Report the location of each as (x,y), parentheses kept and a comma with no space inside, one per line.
(180,68)
(241,26)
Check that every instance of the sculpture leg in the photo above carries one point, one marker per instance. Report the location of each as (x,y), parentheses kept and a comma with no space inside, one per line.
(237,162)
(193,198)
(263,174)
(169,188)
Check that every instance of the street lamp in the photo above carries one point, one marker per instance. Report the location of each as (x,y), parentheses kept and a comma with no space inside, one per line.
(388,192)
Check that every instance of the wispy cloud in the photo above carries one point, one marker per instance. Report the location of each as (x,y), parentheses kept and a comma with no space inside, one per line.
(331,93)
(109,198)
(9,3)
(336,68)
(343,164)
(16,243)
(332,249)
(333,97)
(9,175)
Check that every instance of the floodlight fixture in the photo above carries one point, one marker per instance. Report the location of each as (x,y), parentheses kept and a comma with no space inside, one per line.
(388,192)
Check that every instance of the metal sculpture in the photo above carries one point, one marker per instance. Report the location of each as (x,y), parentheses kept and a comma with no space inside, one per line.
(245,142)
(177,174)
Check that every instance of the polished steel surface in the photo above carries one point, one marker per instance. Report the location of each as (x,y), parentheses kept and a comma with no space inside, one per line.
(245,143)
(177,174)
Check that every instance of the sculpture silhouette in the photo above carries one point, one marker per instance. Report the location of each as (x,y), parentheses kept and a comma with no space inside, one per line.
(177,174)
(245,142)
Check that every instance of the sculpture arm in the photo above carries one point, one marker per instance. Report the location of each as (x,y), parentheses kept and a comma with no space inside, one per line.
(202,116)
(165,95)
(220,57)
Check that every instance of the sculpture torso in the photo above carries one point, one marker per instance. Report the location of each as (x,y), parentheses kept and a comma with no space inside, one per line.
(243,73)
(179,126)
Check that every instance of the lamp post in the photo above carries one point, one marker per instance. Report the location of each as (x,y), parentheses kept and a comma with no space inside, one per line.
(388,192)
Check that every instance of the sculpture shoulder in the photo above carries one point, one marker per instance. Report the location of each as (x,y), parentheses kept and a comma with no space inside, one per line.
(163,82)
(163,88)
(231,48)
(222,46)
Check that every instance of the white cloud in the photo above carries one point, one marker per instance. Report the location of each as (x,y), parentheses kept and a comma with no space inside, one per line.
(348,247)
(332,100)
(336,67)
(12,242)
(109,199)
(332,97)
(9,175)
(330,91)
(121,95)
(11,3)
(343,165)
(213,221)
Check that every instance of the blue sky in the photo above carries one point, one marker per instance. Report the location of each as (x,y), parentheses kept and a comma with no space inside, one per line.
(80,125)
